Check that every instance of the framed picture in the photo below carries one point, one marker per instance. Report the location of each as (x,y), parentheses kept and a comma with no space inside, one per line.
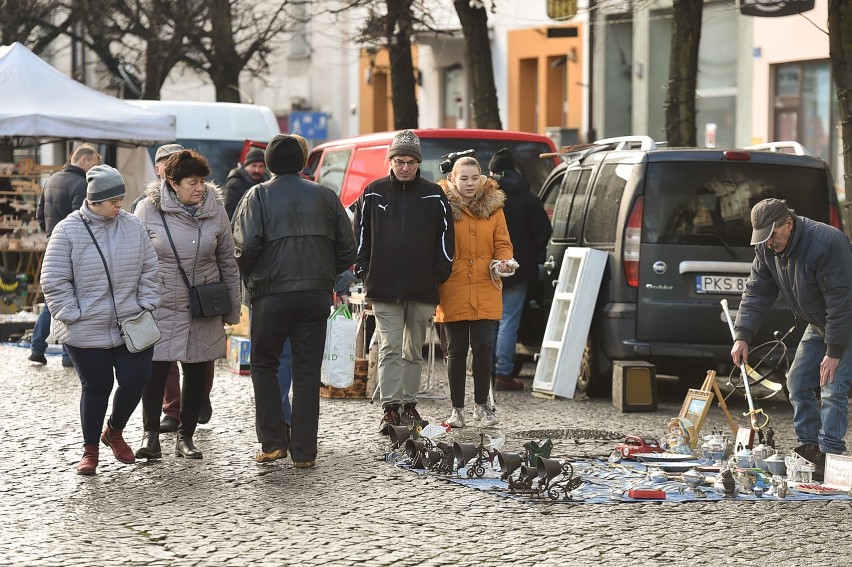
(695,407)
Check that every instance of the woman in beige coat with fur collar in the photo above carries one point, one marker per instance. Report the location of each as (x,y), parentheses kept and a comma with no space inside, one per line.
(202,236)
(471,301)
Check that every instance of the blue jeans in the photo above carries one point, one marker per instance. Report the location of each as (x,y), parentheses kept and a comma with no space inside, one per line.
(506,332)
(822,423)
(40,332)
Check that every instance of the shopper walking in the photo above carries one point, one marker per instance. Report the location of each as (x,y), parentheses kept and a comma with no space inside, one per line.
(292,237)
(189,228)
(529,229)
(63,193)
(240,179)
(404,229)
(470,300)
(86,312)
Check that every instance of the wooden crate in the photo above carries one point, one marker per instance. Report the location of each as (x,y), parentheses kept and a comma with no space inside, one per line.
(358,389)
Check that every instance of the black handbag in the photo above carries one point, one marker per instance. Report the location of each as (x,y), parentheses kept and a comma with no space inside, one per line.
(206,300)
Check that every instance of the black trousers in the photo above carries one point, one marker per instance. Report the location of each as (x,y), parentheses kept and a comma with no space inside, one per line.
(194,380)
(99,369)
(478,336)
(301,317)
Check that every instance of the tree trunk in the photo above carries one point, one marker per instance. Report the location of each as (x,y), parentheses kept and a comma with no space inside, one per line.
(403,93)
(840,42)
(226,64)
(683,73)
(474,22)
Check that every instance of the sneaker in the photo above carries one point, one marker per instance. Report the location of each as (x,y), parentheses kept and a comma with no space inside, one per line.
(484,414)
(40,358)
(391,417)
(456,420)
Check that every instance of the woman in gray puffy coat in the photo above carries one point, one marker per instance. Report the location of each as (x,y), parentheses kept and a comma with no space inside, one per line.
(196,219)
(84,310)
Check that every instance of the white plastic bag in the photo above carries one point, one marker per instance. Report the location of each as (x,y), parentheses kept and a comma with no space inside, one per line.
(338,357)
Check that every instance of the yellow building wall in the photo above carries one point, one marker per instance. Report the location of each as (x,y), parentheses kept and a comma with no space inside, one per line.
(376,106)
(540,85)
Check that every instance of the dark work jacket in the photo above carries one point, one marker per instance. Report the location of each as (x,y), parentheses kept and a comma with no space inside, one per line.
(291,234)
(63,193)
(238,182)
(405,238)
(529,227)
(813,274)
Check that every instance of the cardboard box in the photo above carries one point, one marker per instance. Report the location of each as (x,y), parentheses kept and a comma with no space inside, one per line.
(239,355)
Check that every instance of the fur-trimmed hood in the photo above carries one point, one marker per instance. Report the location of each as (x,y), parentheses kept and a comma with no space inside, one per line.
(489,201)
(155,190)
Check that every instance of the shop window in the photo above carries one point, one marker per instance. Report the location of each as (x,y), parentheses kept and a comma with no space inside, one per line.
(804,107)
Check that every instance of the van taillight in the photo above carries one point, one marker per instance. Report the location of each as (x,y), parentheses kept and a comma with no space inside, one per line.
(834,216)
(632,242)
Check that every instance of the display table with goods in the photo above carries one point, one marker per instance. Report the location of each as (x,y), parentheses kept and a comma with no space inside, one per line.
(539,473)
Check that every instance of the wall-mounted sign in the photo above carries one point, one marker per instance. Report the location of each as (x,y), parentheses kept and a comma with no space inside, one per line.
(775,8)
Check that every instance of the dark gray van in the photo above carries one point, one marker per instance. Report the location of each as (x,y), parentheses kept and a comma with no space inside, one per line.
(676,224)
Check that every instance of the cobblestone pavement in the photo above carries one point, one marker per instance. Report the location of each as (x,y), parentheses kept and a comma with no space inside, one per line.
(352,509)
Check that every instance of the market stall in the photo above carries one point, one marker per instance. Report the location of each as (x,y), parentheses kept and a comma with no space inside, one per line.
(39,105)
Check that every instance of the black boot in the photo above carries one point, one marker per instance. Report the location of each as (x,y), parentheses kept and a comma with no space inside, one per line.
(184,447)
(150,448)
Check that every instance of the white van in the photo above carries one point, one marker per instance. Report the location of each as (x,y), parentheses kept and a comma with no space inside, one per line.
(216,129)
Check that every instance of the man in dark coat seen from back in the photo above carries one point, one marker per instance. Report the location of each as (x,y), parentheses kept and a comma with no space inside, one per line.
(529,229)
(63,193)
(292,238)
(240,179)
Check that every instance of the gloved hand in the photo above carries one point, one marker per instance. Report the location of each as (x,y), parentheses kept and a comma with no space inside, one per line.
(504,268)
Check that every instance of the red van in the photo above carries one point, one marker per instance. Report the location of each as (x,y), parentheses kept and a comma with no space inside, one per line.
(348,165)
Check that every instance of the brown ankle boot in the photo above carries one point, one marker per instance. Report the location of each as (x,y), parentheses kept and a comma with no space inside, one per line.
(89,462)
(112,438)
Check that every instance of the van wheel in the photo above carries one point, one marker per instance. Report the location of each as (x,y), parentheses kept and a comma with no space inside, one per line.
(590,381)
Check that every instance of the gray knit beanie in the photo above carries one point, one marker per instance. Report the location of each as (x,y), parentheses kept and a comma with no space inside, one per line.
(105,183)
(406,143)
(165,151)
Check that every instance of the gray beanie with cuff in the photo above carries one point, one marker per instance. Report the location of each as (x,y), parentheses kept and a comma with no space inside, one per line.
(405,143)
(104,183)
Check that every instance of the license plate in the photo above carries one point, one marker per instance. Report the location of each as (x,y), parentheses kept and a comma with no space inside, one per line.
(720,284)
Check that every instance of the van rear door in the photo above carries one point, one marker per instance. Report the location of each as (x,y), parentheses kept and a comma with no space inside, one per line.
(695,241)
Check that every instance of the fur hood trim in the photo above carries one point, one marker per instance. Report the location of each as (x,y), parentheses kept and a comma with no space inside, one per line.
(154,191)
(489,201)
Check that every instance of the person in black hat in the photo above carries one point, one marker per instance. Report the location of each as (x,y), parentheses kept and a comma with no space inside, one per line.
(529,229)
(292,238)
(810,264)
(251,172)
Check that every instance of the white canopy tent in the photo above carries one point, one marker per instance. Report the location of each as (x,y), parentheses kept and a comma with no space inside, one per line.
(38,102)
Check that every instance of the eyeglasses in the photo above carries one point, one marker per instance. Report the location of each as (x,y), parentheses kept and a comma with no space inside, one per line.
(403,164)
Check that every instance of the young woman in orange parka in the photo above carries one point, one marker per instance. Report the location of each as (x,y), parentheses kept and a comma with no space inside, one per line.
(471,300)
